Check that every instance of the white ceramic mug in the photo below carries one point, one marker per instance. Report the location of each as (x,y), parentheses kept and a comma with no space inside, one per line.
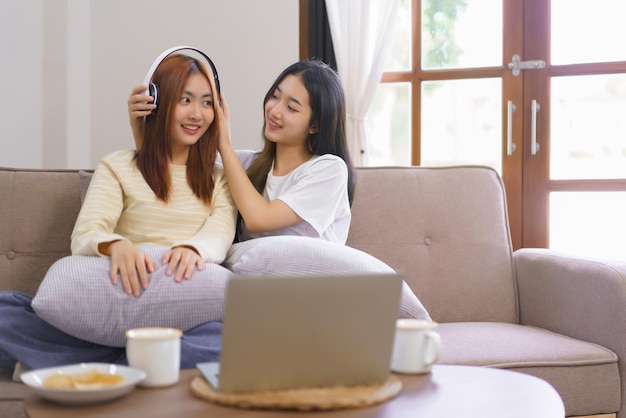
(416,346)
(156,351)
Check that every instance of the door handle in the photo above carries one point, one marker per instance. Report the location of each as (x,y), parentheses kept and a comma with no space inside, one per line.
(510,146)
(534,146)
(517,64)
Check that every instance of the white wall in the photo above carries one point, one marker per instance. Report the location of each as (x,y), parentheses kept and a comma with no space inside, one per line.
(69,65)
(21,30)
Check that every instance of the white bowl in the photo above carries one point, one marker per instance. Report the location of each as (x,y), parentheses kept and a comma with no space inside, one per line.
(35,379)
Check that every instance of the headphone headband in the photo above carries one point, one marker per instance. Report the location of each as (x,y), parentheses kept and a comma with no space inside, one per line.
(164,54)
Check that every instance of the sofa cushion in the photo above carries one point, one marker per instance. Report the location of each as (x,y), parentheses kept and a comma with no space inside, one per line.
(38,209)
(77,297)
(562,361)
(305,255)
(446,230)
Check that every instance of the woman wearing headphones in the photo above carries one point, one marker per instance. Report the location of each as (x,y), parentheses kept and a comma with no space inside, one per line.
(165,209)
(302,182)
(172,182)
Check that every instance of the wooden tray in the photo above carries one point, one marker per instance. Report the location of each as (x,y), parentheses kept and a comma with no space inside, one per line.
(322,399)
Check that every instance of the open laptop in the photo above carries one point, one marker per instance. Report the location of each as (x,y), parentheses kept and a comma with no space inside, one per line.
(288,332)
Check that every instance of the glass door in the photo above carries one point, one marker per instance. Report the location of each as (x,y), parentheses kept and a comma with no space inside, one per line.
(447,96)
(535,89)
(575,184)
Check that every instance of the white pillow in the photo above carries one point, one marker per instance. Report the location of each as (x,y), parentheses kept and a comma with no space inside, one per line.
(77,297)
(288,254)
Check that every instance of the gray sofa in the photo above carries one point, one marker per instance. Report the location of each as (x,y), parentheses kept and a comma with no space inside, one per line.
(551,315)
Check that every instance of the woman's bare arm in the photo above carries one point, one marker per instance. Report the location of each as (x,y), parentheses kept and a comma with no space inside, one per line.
(259,214)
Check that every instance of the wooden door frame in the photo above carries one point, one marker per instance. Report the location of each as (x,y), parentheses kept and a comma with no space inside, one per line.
(304,29)
(512,44)
(535,193)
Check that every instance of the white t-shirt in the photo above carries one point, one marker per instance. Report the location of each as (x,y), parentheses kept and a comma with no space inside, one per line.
(316,190)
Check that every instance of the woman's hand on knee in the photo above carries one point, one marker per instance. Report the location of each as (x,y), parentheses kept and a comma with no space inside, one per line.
(184,260)
(132,265)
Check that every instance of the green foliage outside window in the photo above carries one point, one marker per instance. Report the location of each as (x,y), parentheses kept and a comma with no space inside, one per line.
(440,49)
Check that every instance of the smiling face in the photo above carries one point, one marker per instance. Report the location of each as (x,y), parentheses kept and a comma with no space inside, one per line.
(192,115)
(288,113)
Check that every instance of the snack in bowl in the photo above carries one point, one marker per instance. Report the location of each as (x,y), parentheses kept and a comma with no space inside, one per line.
(91,379)
(84,383)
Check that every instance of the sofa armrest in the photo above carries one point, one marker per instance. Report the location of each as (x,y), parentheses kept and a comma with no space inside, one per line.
(583,298)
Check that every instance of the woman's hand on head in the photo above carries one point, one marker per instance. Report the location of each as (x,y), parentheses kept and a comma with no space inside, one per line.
(224,121)
(139,103)
(131,264)
(139,106)
(183,260)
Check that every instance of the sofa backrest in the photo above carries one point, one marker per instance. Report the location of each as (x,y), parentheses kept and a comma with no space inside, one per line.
(38,209)
(446,230)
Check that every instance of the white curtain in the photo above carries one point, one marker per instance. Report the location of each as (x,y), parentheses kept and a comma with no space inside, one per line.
(361,31)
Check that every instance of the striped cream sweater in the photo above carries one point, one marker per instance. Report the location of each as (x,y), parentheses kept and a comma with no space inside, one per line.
(121,205)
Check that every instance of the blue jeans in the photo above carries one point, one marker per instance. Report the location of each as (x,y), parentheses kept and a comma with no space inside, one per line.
(26,338)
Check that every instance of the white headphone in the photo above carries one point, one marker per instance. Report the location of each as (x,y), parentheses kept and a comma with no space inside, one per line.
(153,89)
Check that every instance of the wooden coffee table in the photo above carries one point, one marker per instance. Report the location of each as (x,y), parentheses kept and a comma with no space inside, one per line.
(449,391)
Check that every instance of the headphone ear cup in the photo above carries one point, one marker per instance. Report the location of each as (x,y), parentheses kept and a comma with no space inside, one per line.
(153,90)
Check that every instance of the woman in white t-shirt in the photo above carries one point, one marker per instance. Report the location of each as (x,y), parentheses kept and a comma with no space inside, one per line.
(302,182)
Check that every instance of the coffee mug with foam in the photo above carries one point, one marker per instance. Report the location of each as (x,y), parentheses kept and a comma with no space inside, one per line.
(156,351)
(416,346)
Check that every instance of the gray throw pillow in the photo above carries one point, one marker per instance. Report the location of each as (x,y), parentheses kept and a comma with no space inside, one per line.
(304,255)
(77,297)
(85,179)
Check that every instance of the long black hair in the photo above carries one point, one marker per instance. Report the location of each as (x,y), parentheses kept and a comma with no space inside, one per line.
(328,106)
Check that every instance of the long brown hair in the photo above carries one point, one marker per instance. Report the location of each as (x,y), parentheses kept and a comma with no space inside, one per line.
(328,107)
(153,157)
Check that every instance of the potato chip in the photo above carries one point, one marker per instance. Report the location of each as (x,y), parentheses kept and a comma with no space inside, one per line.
(91,379)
